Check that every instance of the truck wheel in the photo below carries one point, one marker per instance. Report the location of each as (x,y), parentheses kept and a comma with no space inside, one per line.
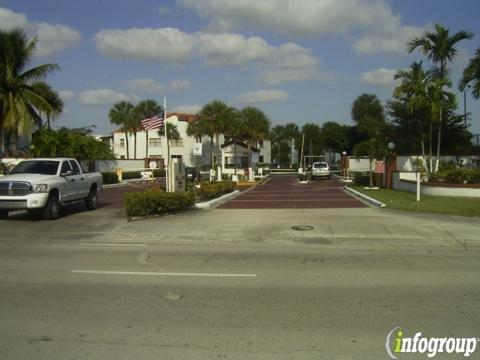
(3,214)
(91,200)
(52,210)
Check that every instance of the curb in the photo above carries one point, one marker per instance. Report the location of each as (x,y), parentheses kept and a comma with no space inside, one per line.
(366,197)
(213,202)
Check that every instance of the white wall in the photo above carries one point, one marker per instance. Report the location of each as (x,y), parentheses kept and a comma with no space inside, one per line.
(408,163)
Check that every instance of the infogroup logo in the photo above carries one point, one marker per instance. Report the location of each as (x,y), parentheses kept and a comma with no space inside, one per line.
(397,343)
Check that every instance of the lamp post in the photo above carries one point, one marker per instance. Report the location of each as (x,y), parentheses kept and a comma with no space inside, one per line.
(344,163)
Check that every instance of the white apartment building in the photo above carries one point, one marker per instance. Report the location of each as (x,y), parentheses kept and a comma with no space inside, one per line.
(181,148)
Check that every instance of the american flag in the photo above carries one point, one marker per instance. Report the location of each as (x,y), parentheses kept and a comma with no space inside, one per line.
(152,123)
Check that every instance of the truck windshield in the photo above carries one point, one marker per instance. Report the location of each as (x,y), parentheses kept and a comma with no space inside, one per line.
(42,167)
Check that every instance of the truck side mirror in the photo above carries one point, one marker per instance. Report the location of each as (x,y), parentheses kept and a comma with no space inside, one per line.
(66,173)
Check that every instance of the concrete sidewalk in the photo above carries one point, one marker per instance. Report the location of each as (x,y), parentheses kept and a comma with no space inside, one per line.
(365,228)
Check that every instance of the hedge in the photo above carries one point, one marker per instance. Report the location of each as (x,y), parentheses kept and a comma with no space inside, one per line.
(109,178)
(126,175)
(209,190)
(156,202)
(457,176)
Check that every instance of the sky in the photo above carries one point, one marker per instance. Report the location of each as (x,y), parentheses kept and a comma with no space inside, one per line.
(297,60)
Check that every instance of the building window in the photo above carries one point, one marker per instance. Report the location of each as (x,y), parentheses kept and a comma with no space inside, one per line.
(122,143)
(176,142)
(260,159)
(154,142)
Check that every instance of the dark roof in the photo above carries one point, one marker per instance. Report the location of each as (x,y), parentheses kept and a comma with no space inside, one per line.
(239,143)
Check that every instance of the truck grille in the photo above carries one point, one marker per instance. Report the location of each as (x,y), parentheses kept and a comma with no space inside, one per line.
(14,188)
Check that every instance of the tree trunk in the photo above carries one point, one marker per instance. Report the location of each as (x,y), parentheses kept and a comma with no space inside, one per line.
(250,166)
(212,155)
(146,144)
(135,145)
(126,143)
(439,139)
(431,148)
(371,173)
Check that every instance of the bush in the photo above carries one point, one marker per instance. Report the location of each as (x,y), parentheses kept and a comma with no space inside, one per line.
(131,175)
(156,202)
(109,178)
(158,173)
(209,190)
(363,180)
(457,176)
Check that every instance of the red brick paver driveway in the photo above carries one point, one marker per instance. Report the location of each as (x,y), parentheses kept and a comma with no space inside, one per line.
(282,192)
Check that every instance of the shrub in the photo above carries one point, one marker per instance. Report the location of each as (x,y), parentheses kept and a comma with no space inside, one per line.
(109,178)
(156,202)
(158,173)
(212,190)
(363,180)
(131,175)
(457,176)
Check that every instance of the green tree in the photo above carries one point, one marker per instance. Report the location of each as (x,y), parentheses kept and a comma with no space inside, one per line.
(215,118)
(18,97)
(292,133)
(277,138)
(439,47)
(52,97)
(146,109)
(368,113)
(471,75)
(313,141)
(334,136)
(121,115)
(256,127)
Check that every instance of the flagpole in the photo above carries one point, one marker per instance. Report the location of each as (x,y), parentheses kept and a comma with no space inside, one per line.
(167,162)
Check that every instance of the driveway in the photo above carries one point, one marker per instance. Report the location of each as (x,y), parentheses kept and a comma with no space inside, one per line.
(283,192)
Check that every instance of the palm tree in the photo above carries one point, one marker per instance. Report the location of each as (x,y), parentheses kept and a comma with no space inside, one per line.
(471,75)
(368,113)
(121,114)
(56,103)
(277,136)
(17,96)
(439,47)
(144,110)
(312,138)
(215,117)
(256,127)
(291,133)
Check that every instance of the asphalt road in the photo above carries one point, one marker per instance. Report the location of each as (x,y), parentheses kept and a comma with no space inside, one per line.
(283,192)
(79,299)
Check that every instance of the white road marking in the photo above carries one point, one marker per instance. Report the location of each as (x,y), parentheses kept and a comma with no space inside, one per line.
(117,244)
(145,273)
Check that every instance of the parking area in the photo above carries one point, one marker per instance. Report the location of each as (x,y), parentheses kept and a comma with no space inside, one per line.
(283,192)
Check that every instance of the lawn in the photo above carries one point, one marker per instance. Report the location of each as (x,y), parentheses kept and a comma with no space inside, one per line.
(404,200)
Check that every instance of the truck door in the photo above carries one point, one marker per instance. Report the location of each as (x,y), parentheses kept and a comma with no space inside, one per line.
(69,185)
(78,178)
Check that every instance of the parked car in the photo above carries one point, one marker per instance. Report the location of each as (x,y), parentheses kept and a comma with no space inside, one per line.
(41,186)
(320,170)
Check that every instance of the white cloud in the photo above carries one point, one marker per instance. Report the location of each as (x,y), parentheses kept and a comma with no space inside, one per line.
(382,76)
(278,76)
(102,96)
(298,17)
(394,41)
(66,95)
(10,20)
(145,85)
(187,109)
(52,38)
(180,85)
(260,96)
(163,44)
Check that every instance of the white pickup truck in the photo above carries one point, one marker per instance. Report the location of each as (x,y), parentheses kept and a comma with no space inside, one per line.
(40,186)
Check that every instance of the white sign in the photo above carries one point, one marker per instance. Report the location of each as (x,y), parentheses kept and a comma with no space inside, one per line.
(197,149)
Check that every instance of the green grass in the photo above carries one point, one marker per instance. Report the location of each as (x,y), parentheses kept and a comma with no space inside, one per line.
(404,200)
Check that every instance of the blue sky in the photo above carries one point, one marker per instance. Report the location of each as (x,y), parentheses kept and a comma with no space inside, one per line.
(297,60)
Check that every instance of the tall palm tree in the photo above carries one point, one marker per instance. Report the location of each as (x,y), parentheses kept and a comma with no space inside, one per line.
(121,114)
(471,75)
(291,132)
(256,127)
(412,91)
(215,117)
(144,110)
(17,96)
(277,136)
(56,103)
(439,47)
